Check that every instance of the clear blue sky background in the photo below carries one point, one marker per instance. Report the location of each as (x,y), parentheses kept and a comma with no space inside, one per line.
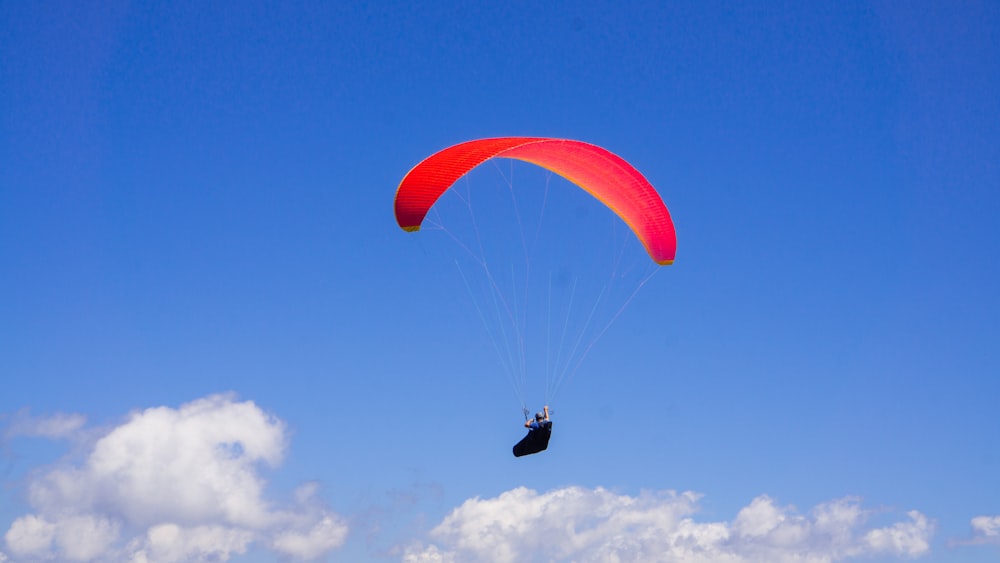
(197,198)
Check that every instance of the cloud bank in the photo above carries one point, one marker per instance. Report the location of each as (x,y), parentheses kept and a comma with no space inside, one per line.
(171,485)
(579,524)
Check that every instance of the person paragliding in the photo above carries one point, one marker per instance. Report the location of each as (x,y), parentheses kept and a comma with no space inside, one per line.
(604,175)
(539,433)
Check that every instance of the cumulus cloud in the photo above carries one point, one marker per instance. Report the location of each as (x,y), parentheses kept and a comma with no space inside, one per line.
(580,524)
(173,485)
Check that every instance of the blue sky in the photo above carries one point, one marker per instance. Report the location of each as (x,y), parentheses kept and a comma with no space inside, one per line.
(196,218)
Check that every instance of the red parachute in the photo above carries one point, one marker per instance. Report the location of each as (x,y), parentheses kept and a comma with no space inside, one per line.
(603,174)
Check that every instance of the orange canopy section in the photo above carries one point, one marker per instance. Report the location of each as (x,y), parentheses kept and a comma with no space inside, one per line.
(601,173)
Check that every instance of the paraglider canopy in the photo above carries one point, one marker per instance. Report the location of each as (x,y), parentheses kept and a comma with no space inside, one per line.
(603,174)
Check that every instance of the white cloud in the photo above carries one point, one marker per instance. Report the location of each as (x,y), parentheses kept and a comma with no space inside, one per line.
(987,526)
(174,485)
(58,425)
(324,536)
(169,543)
(579,524)
(75,538)
(985,531)
(30,536)
(903,538)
